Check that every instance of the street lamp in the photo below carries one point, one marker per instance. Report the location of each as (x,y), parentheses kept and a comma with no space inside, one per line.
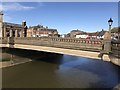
(110,21)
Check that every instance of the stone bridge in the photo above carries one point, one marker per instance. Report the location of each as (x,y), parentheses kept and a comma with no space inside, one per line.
(70,46)
(67,43)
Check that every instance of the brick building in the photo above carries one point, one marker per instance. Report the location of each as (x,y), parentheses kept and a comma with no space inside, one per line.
(41,31)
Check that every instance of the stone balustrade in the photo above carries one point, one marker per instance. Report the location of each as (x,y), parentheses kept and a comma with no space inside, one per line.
(87,41)
(116,49)
(80,44)
(3,40)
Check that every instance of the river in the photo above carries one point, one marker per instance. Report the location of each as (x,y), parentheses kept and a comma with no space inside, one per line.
(48,70)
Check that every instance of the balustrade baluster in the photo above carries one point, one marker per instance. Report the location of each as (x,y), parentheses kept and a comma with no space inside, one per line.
(81,41)
(96,42)
(84,41)
(75,41)
(87,42)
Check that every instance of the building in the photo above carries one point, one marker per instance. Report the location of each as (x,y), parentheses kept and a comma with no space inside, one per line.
(81,34)
(73,33)
(101,34)
(84,36)
(67,35)
(115,33)
(62,35)
(41,31)
(92,35)
(11,29)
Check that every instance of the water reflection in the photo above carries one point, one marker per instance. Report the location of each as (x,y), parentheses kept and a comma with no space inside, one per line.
(106,73)
(49,70)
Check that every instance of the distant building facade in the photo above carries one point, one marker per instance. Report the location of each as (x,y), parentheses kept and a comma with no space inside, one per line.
(73,33)
(115,33)
(40,31)
(12,29)
(92,35)
(101,34)
(82,36)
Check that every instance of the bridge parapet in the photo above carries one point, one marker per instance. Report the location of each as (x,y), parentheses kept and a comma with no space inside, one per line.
(116,49)
(87,41)
(93,45)
(3,40)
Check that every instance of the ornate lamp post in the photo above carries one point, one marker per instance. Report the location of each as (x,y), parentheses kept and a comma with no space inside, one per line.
(110,21)
(107,40)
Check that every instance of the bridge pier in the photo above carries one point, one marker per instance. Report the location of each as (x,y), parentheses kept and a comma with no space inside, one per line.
(106,47)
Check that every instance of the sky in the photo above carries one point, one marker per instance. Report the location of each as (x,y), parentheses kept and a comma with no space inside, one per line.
(63,16)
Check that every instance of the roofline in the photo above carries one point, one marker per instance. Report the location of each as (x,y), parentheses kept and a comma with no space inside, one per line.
(12,24)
